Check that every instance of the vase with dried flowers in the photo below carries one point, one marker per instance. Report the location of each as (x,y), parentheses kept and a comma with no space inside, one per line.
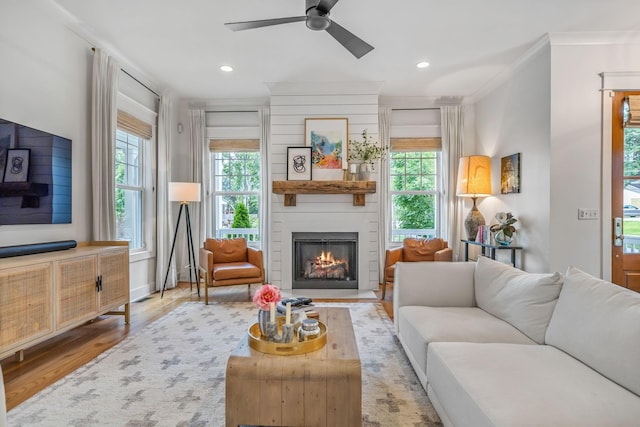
(504,230)
(365,153)
(266,298)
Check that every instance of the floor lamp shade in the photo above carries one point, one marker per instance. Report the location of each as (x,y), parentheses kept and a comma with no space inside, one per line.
(184,191)
(474,180)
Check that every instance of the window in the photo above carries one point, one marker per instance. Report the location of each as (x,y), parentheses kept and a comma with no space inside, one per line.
(129,188)
(414,192)
(135,199)
(237,193)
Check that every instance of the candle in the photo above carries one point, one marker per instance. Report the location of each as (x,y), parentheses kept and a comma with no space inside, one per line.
(288,314)
(272,314)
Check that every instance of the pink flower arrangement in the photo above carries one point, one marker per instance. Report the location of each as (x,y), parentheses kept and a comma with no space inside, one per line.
(266,295)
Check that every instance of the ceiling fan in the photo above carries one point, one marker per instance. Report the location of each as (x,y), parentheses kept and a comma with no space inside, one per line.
(317,19)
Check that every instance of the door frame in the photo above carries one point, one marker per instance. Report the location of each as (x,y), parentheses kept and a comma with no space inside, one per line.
(611,82)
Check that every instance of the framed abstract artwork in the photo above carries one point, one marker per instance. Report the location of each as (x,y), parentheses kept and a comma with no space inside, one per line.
(510,174)
(299,164)
(17,167)
(327,138)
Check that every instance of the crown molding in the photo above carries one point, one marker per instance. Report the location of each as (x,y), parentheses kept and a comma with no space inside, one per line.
(594,38)
(325,88)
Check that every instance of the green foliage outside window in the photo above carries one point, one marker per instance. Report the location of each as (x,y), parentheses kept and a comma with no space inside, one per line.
(413,184)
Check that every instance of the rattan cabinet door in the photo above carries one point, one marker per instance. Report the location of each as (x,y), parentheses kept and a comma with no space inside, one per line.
(114,271)
(25,304)
(76,290)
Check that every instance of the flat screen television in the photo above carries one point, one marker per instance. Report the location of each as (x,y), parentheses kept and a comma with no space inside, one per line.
(35,176)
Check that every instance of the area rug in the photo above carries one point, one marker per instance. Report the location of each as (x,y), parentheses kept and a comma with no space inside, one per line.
(171,373)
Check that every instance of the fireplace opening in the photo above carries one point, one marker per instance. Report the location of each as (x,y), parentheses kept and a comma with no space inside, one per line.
(325,260)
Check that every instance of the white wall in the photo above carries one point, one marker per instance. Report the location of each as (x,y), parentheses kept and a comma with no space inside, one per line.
(45,83)
(514,118)
(550,110)
(578,172)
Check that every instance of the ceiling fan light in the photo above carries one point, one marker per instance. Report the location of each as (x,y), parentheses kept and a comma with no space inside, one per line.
(316,21)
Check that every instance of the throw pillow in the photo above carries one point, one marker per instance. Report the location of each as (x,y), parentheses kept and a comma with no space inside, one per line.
(525,300)
(415,250)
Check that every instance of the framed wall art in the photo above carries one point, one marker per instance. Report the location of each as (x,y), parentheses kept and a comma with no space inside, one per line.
(510,174)
(17,167)
(327,138)
(299,164)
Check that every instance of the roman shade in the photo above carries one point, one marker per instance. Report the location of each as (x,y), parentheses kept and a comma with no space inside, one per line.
(236,145)
(134,125)
(416,144)
(633,121)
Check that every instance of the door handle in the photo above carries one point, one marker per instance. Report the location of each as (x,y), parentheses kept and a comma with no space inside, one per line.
(618,237)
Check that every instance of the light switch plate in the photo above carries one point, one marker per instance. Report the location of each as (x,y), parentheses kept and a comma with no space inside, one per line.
(588,213)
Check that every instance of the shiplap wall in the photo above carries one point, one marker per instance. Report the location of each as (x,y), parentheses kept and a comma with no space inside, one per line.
(321,212)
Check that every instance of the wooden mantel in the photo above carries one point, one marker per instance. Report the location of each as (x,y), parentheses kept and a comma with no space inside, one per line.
(291,188)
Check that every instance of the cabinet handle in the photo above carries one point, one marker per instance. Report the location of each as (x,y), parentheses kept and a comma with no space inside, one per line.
(99,283)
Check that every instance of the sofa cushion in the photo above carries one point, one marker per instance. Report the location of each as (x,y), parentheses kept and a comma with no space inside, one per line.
(227,250)
(525,300)
(419,326)
(598,323)
(415,250)
(235,270)
(523,385)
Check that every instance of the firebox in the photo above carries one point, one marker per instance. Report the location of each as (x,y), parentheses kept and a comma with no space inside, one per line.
(325,260)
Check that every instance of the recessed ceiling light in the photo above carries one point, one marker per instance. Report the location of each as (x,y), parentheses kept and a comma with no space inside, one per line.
(227,68)
(423,64)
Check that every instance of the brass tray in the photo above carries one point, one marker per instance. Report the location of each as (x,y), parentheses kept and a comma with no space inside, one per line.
(286,349)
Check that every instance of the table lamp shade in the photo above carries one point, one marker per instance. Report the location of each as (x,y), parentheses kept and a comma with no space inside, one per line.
(184,191)
(474,176)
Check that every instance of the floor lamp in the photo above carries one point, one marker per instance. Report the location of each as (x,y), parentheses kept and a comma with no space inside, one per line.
(474,180)
(184,192)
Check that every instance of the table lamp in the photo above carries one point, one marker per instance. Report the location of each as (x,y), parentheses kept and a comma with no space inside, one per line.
(474,180)
(183,192)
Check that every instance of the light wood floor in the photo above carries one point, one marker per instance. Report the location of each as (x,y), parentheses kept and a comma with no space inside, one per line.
(47,362)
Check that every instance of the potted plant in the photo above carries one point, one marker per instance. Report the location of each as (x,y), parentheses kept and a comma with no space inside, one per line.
(365,153)
(504,230)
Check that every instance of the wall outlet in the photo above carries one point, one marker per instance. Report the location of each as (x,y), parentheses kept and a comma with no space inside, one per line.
(584,213)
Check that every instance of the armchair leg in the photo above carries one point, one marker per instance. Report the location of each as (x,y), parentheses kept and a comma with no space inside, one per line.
(384,290)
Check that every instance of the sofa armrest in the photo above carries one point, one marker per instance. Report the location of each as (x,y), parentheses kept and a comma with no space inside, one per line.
(434,284)
(445,254)
(392,256)
(205,259)
(254,256)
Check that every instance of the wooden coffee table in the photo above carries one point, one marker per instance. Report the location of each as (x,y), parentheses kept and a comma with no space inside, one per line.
(322,388)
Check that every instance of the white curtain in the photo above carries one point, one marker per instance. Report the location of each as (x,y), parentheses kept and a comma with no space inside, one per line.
(384,204)
(164,223)
(452,129)
(265,172)
(104,114)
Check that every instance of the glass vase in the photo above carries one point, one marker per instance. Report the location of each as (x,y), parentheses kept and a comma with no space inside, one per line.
(502,239)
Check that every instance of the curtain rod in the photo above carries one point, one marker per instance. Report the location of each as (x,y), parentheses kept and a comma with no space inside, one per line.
(93,49)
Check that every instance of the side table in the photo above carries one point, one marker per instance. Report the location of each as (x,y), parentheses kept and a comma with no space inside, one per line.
(492,250)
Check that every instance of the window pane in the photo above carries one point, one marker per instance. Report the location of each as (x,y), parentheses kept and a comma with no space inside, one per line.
(129,217)
(238,216)
(632,151)
(413,215)
(237,171)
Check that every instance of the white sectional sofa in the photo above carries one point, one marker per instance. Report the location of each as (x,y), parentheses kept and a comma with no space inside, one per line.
(496,346)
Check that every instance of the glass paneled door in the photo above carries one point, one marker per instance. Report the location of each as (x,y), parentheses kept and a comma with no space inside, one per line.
(625,194)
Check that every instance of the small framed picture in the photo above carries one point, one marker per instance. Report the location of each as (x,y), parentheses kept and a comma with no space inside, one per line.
(17,167)
(327,138)
(510,174)
(298,163)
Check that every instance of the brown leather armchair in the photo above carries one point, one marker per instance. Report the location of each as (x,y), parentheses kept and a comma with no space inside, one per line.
(225,262)
(413,250)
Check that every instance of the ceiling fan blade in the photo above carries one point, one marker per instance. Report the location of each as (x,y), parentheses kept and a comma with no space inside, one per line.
(248,25)
(352,43)
(325,6)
